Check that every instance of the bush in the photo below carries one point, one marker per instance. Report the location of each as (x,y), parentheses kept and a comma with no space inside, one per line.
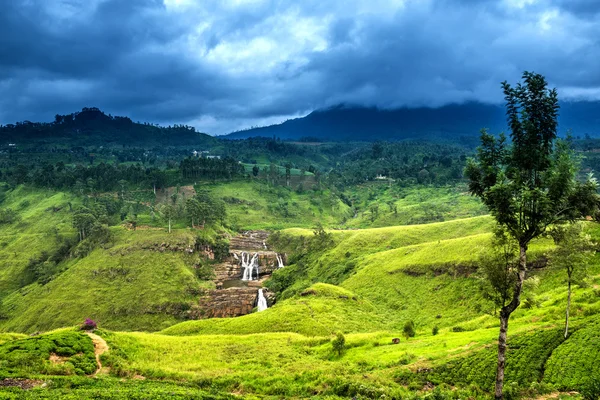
(458,329)
(26,357)
(435,330)
(89,325)
(591,389)
(409,329)
(339,344)
(205,271)
(8,216)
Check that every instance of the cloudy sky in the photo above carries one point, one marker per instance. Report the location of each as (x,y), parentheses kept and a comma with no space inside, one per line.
(222,65)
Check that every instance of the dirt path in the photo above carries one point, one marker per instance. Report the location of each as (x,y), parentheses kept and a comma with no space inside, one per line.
(100,346)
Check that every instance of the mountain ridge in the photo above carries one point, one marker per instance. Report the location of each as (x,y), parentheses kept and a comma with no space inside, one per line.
(355,123)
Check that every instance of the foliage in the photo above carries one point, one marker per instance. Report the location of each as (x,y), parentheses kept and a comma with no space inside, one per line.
(32,355)
(409,329)
(531,184)
(338,344)
(527,186)
(591,389)
(205,209)
(109,388)
(499,269)
(525,363)
(577,360)
(8,216)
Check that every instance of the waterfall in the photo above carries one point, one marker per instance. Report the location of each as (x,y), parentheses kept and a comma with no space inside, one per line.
(262,301)
(248,264)
(279,261)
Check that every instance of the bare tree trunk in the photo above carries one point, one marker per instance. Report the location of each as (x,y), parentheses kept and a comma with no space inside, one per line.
(568,307)
(505,313)
(501,354)
(169,225)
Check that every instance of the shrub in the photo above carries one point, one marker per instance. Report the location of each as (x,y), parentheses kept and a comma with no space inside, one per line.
(435,330)
(339,344)
(30,356)
(205,271)
(409,329)
(591,389)
(458,329)
(89,325)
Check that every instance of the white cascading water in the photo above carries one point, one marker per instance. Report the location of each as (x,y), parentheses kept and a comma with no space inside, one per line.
(262,301)
(248,264)
(279,261)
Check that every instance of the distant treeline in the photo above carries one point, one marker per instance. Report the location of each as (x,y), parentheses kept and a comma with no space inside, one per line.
(96,127)
(407,161)
(109,177)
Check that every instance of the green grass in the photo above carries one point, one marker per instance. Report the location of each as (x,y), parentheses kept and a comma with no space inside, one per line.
(413,205)
(44,217)
(366,284)
(256,205)
(132,285)
(76,388)
(322,310)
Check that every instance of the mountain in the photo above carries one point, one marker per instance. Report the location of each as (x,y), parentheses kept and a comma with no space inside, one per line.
(348,123)
(91,126)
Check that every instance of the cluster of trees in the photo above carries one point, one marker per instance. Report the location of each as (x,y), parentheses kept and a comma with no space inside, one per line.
(210,168)
(104,177)
(201,210)
(84,179)
(204,209)
(408,161)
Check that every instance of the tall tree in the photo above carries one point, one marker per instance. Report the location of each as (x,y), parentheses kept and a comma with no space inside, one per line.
(573,253)
(168,212)
(529,184)
(193,210)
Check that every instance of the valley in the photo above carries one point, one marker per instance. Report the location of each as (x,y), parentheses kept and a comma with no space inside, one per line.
(267,269)
(365,283)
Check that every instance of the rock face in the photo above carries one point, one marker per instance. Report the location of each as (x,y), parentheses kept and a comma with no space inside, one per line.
(231,302)
(250,240)
(232,296)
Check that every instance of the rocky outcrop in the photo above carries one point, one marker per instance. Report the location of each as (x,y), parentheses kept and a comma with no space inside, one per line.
(250,240)
(231,302)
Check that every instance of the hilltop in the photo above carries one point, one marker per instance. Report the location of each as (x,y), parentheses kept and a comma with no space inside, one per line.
(93,127)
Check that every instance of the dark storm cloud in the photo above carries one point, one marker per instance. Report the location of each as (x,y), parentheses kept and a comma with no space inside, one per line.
(225,64)
(582,8)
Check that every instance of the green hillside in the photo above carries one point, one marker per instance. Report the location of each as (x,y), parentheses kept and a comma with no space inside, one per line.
(364,283)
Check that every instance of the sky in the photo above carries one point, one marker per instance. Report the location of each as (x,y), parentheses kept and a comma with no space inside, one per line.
(224,65)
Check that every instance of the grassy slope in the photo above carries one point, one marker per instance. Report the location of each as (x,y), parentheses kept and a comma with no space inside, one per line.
(324,311)
(127,286)
(254,205)
(288,364)
(398,269)
(36,232)
(285,351)
(414,205)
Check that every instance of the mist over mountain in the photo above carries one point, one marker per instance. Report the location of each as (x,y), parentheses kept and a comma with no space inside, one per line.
(353,123)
